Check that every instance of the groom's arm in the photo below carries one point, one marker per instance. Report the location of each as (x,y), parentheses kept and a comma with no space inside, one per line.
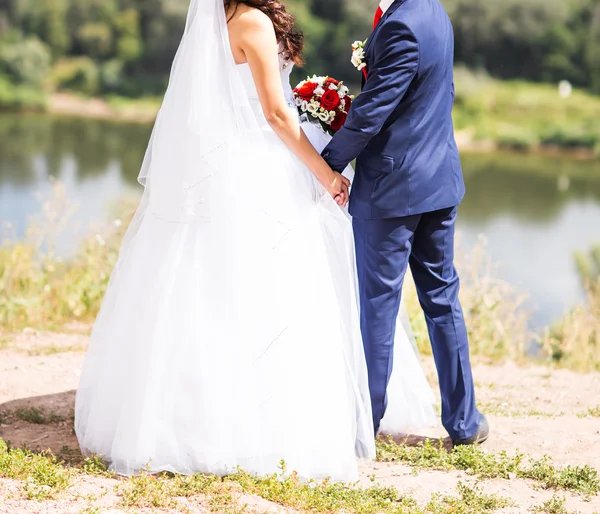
(389,77)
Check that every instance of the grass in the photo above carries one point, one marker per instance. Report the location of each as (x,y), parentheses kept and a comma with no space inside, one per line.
(494,310)
(286,489)
(37,417)
(525,116)
(40,290)
(42,476)
(574,341)
(556,505)
(477,462)
(594,412)
(471,501)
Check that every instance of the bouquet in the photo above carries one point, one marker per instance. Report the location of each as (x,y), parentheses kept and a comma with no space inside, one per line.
(324,99)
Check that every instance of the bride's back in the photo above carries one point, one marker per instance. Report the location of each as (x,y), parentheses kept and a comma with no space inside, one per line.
(243,22)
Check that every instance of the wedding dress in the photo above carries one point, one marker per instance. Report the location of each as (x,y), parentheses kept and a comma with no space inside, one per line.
(229,334)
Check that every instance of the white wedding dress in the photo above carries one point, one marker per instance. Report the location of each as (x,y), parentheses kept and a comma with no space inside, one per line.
(229,335)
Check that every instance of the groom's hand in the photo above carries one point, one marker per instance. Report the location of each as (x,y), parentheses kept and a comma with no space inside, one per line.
(338,189)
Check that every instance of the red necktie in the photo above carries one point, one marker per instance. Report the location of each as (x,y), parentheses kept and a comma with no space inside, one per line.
(378,15)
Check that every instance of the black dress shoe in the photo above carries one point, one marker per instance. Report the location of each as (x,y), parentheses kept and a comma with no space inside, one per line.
(483,432)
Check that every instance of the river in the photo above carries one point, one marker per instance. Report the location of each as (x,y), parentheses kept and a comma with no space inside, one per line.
(534,212)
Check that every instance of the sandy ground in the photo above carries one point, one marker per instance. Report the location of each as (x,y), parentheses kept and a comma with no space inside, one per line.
(533,410)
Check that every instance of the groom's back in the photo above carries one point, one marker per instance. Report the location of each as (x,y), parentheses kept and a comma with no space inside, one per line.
(419,134)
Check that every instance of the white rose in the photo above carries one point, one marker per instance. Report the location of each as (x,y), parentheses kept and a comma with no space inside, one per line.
(362,67)
(358,56)
(319,91)
(320,81)
(332,86)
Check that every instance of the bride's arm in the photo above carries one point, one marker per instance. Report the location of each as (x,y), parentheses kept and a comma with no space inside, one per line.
(255,37)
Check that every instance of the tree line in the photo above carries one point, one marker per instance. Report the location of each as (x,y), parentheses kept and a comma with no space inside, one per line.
(126,47)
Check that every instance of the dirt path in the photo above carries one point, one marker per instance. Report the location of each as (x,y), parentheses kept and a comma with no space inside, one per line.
(534,410)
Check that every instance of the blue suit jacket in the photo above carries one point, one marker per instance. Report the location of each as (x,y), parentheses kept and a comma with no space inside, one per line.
(400,127)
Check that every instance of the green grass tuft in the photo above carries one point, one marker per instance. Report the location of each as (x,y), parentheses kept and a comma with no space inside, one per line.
(475,461)
(42,475)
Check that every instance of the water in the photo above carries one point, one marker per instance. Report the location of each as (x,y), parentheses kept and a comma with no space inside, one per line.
(534,212)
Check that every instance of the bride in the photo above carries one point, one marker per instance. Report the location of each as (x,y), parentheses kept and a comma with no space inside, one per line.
(229,335)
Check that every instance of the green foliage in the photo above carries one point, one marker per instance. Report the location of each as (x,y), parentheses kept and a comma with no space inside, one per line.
(574,341)
(529,39)
(593,50)
(18,98)
(541,40)
(78,74)
(129,40)
(476,461)
(24,60)
(96,40)
(42,476)
(521,115)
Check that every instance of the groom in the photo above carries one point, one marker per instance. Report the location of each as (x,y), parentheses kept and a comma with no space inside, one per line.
(404,201)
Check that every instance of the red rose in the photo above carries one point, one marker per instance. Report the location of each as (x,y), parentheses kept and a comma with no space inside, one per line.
(348,103)
(338,122)
(306,91)
(330,100)
(330,81)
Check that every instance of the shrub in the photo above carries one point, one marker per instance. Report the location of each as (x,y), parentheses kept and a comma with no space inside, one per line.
(516,138)
(570,137)
(14,97)
(80,74)
(96,39)
(25,61)
(112,76)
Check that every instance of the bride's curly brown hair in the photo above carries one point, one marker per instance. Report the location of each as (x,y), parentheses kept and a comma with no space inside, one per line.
(291,39)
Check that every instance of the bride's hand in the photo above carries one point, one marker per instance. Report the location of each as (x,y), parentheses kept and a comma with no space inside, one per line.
(337,186)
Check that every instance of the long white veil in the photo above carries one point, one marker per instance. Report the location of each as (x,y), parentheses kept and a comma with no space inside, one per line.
(204,120)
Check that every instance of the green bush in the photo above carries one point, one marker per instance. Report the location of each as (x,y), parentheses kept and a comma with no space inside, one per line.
(112,76)
(13,97)
(25,61)
(570,137)
(95,39)
(515,138)
(80,74)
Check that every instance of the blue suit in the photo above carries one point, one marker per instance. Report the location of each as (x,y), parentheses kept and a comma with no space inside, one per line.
(404,199)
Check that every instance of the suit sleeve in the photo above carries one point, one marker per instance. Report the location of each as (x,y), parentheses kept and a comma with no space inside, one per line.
(389,77)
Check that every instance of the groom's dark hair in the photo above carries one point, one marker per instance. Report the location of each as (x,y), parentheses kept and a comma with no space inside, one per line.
(291,39)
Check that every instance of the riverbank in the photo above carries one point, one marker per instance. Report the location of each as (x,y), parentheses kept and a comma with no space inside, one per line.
(42,290)
(530,409)
(489,115)
(116,108)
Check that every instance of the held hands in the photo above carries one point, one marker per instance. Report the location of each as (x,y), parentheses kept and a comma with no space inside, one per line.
(337,186)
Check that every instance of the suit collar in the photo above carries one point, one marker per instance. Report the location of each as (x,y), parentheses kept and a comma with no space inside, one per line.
(392,8)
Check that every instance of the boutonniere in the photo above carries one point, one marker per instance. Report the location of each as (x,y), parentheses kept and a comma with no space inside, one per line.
(358,55)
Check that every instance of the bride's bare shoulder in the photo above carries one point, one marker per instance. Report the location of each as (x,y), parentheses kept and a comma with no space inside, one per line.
(246,19)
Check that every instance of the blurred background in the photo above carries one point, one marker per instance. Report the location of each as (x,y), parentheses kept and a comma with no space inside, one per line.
(81,80)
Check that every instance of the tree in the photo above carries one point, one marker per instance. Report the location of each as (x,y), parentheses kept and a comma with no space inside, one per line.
(26,61)
(593,50)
